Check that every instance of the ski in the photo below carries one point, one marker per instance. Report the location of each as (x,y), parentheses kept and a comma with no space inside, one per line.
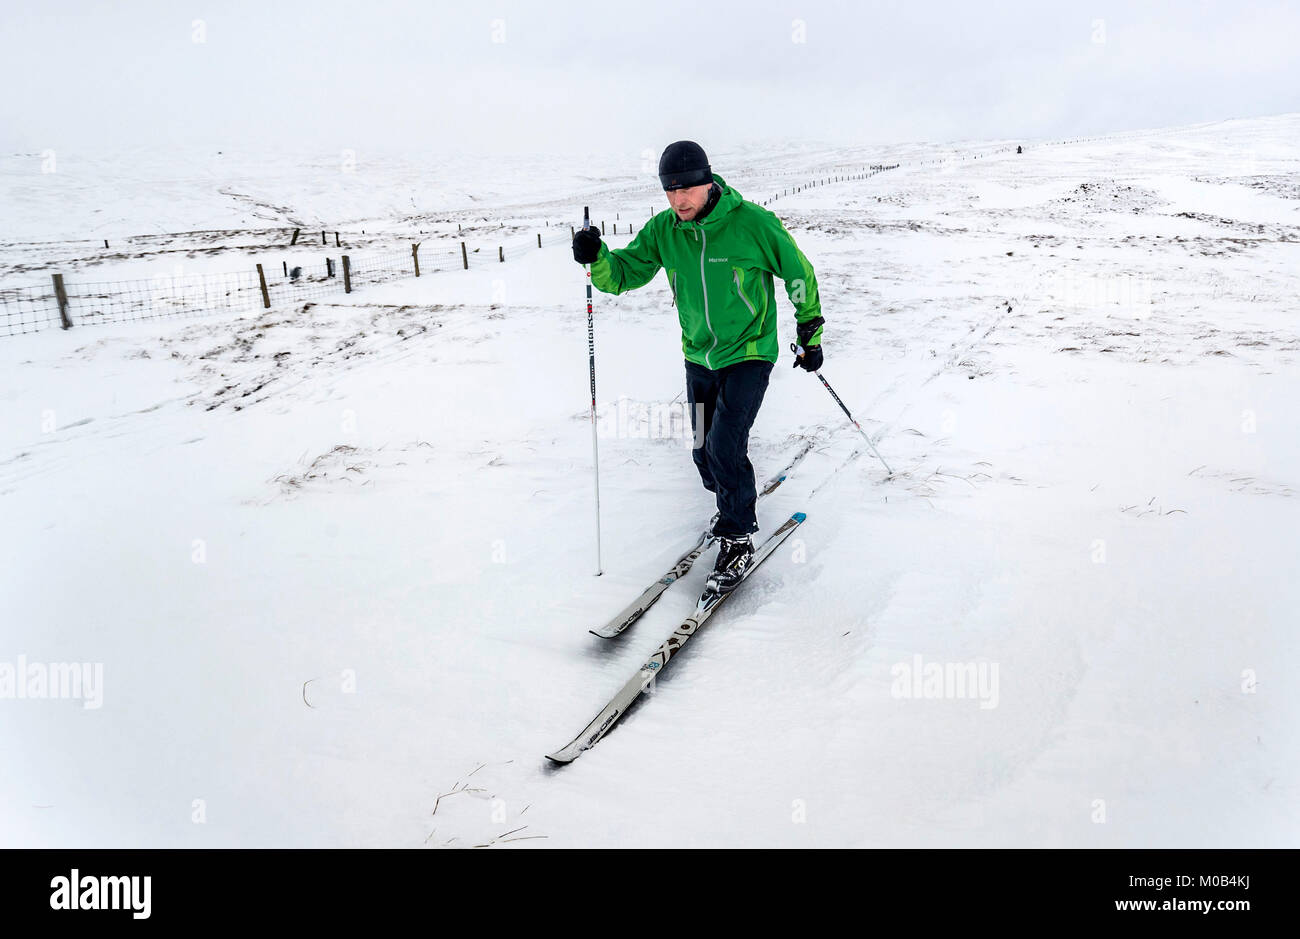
(633,611)
(708,604)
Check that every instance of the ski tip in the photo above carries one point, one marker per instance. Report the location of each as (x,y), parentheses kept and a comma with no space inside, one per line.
(799,517)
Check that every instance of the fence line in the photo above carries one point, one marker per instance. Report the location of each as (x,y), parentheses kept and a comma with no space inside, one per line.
(27,309)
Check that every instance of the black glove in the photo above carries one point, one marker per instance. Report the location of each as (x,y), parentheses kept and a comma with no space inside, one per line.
(811,359)
(812,355)
(586,245)
(807,330)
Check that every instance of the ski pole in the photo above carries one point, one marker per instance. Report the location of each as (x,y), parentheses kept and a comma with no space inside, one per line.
(591,359)
(798,351)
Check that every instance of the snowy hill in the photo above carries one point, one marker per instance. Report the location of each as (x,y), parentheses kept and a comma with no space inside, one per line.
(337,562)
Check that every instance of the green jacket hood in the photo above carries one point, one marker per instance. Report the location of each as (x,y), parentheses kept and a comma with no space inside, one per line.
(729,201)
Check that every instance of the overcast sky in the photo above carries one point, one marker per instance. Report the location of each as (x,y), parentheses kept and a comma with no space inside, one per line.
(564,77)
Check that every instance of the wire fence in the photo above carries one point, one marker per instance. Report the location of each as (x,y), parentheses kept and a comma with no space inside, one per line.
(161,297)
(304,288)
(380,268)
(27,309)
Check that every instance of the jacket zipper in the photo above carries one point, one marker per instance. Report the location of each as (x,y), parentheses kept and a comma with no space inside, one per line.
(704,247)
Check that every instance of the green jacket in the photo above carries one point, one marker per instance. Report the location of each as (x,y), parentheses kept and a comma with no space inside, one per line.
(720,271)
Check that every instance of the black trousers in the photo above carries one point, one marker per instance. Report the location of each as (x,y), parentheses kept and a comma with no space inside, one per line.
(727,401)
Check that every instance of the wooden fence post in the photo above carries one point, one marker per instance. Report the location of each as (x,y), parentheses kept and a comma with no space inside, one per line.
(415,256)
(295,237)
(347,275)
(539,239)
(464,258)
(501,254)
(266,297)
(336,240)
(62,296)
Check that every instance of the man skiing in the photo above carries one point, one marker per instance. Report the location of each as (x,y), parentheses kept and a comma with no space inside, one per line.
(720,254)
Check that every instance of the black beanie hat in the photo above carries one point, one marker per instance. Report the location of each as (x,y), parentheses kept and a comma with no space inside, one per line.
(684,165)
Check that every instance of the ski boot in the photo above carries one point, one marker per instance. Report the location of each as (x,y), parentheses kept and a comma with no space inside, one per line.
(734,554)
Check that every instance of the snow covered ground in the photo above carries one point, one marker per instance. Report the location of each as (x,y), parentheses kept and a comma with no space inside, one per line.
(336,562)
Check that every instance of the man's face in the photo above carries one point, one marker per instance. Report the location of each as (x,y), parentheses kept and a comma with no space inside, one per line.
(688,202)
